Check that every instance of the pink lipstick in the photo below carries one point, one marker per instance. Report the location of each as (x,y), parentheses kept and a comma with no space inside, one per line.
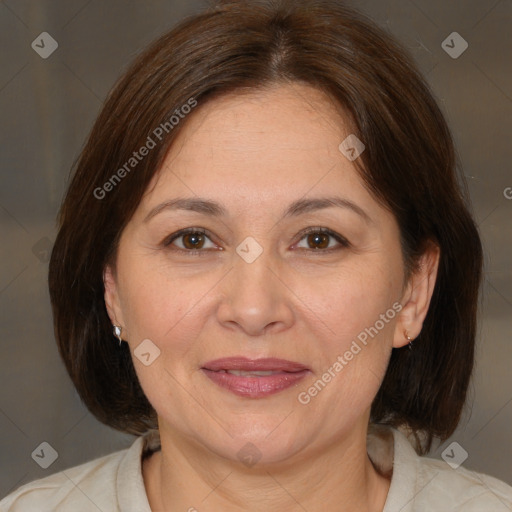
(254,378)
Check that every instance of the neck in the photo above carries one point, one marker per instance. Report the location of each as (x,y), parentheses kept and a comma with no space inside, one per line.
(185,476)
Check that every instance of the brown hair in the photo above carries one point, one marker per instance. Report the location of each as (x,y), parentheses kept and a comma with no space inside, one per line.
(409,165)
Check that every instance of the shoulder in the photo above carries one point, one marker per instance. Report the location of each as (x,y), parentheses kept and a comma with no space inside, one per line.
(89,486)
(424,484)
(440,485)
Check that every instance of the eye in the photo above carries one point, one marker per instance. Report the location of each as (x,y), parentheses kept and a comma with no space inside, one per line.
(317,239)
(192,239)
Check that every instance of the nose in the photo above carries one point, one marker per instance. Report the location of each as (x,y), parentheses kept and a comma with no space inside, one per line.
(255,297)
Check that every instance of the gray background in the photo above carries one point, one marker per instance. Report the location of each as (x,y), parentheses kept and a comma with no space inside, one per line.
(48,106)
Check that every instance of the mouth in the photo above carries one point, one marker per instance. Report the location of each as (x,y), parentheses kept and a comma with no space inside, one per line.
(254,378)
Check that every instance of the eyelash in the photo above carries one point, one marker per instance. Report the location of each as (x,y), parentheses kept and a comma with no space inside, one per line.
(201,252)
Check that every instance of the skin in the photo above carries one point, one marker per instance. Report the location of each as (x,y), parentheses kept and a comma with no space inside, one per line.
(255,153)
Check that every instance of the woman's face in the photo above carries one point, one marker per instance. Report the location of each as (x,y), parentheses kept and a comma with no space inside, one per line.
(258,286)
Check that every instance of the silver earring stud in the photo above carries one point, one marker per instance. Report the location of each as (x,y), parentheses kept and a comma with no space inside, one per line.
(117,333)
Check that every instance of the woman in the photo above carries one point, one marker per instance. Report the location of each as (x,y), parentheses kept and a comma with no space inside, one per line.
(266,270)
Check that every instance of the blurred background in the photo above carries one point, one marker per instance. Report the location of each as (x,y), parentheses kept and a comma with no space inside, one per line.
(52,87)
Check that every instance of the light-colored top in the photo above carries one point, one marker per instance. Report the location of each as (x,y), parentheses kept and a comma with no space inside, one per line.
(114,483)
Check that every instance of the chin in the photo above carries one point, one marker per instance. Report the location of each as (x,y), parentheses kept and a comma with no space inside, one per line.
(260,445)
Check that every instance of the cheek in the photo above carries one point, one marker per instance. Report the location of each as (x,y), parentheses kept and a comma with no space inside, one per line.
(164,307)
(355,334)
(353,350)
(169,305)
(352,300)
(157,306)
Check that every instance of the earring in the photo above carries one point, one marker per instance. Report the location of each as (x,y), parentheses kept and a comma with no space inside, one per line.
(117,333)
(409,339)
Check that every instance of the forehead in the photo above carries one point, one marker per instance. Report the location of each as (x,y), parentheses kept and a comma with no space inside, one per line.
(260,145)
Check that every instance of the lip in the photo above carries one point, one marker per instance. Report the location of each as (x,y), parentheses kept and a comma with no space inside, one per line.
(285,374)
(262,364)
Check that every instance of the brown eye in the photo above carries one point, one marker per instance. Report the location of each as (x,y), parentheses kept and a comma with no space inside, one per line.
(189,240)
(318,241)
(193,240)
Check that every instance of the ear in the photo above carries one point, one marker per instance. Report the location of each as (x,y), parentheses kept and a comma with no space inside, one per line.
(111,296)
(416,298)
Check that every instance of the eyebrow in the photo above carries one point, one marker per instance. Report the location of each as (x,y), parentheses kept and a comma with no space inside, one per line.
(299,207)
